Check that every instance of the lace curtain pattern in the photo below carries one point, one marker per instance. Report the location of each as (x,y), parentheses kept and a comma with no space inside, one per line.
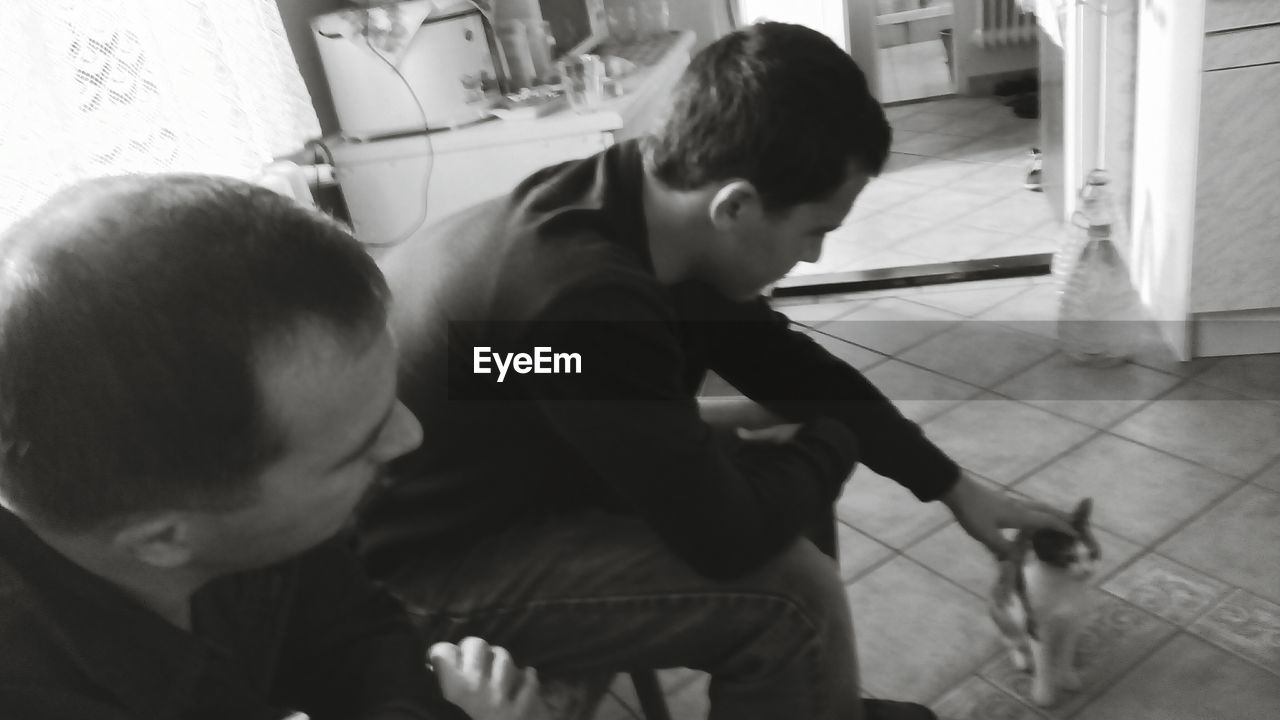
(95,87)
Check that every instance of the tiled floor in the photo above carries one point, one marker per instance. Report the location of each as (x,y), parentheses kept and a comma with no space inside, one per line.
(952,190)
(1183,463)
(913,71)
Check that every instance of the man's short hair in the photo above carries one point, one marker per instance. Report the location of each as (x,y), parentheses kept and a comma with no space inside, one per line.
(135,316)
(779,105)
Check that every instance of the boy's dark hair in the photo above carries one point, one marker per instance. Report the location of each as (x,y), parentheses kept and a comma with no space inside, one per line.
(135,316)
(779,105)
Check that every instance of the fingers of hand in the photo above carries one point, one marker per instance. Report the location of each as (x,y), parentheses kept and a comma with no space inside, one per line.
(505,678)
(477,658)
(527,696)
(444,655)
(1032,515)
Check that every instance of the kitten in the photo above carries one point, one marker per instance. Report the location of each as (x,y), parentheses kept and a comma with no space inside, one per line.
(1040,600)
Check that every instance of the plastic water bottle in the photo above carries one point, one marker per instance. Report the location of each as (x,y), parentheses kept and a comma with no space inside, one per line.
(1097,310)
(1094,210)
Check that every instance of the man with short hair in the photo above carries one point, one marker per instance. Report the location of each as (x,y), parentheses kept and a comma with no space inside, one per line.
(197,385)
(631,528)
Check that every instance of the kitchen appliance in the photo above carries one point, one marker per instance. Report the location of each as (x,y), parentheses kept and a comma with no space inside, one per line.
(407,67)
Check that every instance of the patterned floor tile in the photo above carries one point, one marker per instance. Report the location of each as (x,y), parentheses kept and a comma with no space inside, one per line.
(1001,439)
(980,353)
(858,552)
(1237,541)
(977,699)
(1247,625)
(1138,493)
(1167,589)
(1189,679)
(918,635)
(1213,427)
(886,511)
(1096,396)
(1116,637)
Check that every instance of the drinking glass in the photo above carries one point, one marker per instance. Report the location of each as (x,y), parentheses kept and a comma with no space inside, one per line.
(583,80)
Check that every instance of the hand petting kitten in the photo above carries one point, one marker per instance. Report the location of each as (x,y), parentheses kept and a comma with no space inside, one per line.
(983,512)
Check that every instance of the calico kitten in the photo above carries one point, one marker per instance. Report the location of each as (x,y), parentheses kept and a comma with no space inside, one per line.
(1040,599)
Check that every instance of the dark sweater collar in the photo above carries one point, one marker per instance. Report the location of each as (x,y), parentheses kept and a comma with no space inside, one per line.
(147,663)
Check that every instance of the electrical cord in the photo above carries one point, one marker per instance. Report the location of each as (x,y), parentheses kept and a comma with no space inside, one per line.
(431,151)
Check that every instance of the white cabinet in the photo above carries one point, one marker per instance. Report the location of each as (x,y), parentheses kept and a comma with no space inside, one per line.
(1206,181)
(395,186)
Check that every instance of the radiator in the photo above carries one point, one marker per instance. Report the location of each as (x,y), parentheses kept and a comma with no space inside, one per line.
(1002,22)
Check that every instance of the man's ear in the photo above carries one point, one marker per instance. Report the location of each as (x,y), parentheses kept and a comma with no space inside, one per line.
(733,203)
(163,540)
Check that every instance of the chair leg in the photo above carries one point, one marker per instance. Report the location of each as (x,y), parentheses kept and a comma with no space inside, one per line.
(649,692)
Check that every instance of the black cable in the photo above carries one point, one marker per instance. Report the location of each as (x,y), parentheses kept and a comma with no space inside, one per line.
(431,151)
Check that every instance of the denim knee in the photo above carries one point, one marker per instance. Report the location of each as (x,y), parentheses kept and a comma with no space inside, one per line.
(809,581)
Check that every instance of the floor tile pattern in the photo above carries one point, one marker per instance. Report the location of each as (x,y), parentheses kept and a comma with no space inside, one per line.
(1182,461)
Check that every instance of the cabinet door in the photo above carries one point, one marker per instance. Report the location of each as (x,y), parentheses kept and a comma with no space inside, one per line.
(1236,262)
(468,177)
(1228,14)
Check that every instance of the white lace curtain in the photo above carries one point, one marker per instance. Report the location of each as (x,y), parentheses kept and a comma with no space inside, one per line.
(94,87)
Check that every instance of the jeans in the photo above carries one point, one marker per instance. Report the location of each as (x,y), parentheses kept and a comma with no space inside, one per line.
(587,593)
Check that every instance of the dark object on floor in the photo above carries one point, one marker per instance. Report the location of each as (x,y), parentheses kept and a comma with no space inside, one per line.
(1017,86)
(1032,182)
(893,710)
(1026,105)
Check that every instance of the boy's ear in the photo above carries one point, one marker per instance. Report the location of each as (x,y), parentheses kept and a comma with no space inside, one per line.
(735,202)
(163,540)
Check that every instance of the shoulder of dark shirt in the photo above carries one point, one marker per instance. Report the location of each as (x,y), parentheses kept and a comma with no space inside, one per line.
(29,646)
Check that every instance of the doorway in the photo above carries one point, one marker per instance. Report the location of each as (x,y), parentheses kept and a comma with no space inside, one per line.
(914,59)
